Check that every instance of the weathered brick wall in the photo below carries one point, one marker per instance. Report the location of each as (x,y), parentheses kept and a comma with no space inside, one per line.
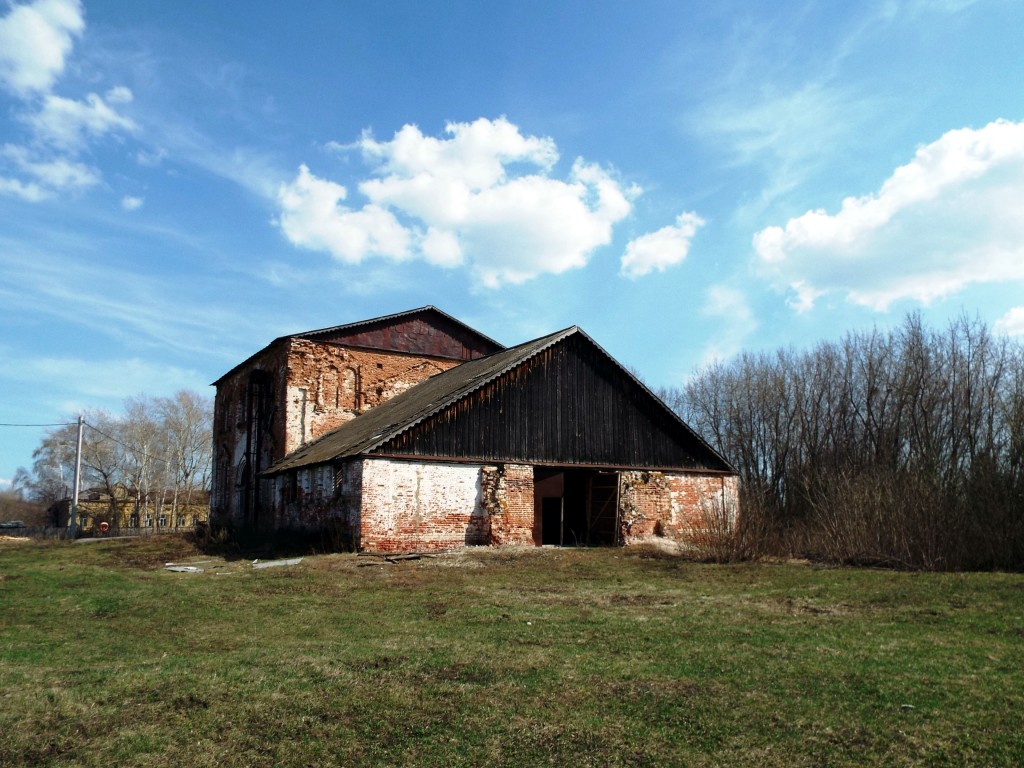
(675,505)
(409,506)
(328,385)
(384,505)
(507,492)
(322,498)
(231,428)
(313,388)
(381,505)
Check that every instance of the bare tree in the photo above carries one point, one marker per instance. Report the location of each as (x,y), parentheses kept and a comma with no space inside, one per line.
(157,449)
(904,447)
(186,422)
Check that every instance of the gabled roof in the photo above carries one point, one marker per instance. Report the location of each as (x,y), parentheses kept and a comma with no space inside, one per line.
(384,422)
(319,334)
(428,309)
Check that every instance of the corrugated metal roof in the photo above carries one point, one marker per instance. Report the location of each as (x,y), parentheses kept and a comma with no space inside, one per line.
(381,423)
(393,417)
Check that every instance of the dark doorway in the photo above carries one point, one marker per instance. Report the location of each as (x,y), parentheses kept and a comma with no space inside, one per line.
(576,507)
(551,520)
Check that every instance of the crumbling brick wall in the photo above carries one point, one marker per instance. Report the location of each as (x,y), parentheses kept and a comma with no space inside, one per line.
(240,424)
(328,385)
(676,505)
(309,388)
(507,491)
(323,498)
(413,506)
(387,505)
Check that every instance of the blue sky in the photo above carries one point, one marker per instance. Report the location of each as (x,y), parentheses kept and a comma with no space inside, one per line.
(180,183)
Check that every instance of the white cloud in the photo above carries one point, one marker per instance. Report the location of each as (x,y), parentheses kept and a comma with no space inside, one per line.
(120,94)
(948,218)
(47,274)
(1012,323)
(662,249)
(312,217)
(130,203)
(48,176)
(441,247)
(68,124)
(476,155)
(35,39)
(483,197)
(788,131)
(30,192)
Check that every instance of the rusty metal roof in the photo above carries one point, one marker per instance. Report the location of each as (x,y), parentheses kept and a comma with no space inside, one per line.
(429,308)
(314,334)
(383,423)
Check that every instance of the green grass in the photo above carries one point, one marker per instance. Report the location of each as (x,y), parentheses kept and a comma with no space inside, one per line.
(542,657)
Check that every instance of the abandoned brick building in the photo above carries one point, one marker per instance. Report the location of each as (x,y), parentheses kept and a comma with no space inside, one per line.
(415,432)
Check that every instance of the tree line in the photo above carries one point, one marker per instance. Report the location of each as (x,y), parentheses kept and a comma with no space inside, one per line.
(157,454)
(903,447)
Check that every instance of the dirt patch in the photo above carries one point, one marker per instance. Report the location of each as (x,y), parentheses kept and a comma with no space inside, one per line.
(148,552)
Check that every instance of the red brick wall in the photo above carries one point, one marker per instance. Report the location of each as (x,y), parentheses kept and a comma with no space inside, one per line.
(411,506)
(316,387)
(230,427)
(507,491)
(675,505)
(328,385)
(384,505)
(431,506)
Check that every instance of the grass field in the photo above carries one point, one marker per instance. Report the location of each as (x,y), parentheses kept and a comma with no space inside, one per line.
(543,657)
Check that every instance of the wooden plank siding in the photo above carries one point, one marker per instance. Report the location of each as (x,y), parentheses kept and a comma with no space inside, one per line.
(568,404)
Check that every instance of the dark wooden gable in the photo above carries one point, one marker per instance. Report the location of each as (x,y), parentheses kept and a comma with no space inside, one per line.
(570,404)
(426,331)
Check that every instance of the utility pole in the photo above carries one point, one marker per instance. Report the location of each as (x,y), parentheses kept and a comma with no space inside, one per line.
(73,522)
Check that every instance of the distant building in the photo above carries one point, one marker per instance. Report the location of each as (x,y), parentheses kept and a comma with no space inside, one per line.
(123,511)
(415,432)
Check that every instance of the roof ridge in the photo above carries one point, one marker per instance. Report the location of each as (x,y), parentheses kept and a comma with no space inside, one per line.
(313,334)
(405,411)
(381,433)
(393,316)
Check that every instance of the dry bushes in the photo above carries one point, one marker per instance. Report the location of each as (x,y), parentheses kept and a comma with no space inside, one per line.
(904,448)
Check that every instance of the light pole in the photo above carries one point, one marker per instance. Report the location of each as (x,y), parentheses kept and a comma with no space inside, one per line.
(73,522)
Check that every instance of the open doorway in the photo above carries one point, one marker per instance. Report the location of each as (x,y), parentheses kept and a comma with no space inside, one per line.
(576,507)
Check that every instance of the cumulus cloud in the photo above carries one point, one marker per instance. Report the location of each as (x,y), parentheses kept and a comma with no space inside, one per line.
(483,196)
(131,203)
(1012,323)
(35,40)
(662,249)
(312,217)
(948,218)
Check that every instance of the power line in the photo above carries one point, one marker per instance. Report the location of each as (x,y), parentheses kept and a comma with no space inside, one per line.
(134,450)
(57,424)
